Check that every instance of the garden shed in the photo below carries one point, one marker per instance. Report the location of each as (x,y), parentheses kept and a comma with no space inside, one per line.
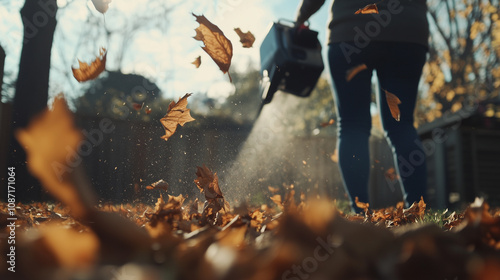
(463,155)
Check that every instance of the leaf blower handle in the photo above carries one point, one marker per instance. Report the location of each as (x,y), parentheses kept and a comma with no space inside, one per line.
(301,26)
(303,36)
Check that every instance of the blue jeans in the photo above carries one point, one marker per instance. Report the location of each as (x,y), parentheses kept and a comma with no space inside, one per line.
(398,67)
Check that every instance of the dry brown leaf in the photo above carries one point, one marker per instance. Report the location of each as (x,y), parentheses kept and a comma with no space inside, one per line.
(177,114)
(391,174)
(51,141)
(232,237)
(217,46)
(247,39)
(89,72)
(197,62)
(362,205)
(351,73)
(158,185)
(273,189)
(277,199)
(335,156)
(328,123)
(137,106)
(393,102)
(368,9)
(208,182)
(101,5)
(421,206)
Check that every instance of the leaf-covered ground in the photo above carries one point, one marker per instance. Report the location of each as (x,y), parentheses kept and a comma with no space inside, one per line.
(291,239)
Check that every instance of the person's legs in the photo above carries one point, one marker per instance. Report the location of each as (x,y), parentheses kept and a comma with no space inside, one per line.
(352,100)
(399,73)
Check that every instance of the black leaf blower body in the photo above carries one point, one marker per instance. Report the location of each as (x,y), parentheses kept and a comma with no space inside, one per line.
(291,61)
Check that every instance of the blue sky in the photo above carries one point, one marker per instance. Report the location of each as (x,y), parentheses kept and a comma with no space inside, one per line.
(164,56)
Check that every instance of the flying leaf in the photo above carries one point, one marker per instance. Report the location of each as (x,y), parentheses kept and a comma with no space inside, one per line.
(393,102)
(362,205)
(101,5)
(137,106)
(391,174)
(368,9)
(328,123)
(51,141)
(177,114)
(247,39)
(158,185)
(335,156)
(89,72)
(277,199)
(217,46)
(197,62)
(273,189)
(351,73)
(207,182)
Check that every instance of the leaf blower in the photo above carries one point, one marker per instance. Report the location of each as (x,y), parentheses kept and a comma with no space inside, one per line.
(290,59)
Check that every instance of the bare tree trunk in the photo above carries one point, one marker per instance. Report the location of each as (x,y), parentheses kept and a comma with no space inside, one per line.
(4,127)
(32,86)
(2,63)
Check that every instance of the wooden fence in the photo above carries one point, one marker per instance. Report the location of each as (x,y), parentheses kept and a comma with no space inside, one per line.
(247,161)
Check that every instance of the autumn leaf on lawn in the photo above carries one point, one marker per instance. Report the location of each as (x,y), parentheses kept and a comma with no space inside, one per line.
(208,183)
(101,5)
(217,46)
(351,73)
(393,102)
(417,208)
(197,62)
(177,114)
(247,39)
(92,71)
(368,9)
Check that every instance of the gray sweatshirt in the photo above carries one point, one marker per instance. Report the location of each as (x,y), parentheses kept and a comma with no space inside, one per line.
(397,20)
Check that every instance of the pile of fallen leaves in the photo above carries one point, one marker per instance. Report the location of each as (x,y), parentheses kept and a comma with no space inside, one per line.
(291,238)
(304,239)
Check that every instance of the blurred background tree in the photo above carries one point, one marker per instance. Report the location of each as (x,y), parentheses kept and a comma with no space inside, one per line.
(122,96)
(464,57)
